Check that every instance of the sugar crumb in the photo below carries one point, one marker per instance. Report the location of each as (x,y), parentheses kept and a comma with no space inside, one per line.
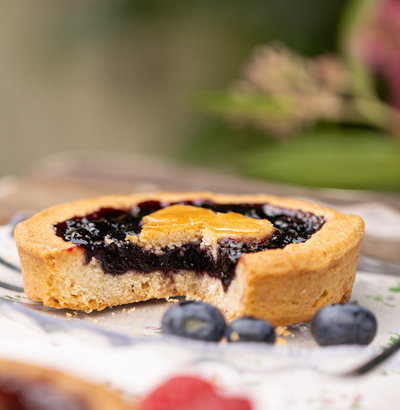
(282,331)
(131,238)
(123,310)
(280,341)
(68,314)
(279,330)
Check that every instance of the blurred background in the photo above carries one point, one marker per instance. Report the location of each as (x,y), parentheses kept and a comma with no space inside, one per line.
(306,93)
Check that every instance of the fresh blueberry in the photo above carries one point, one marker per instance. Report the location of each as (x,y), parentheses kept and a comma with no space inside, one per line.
(195,320)
(249,329)
(344,324)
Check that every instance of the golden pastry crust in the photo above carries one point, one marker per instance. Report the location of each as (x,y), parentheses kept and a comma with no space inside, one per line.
(87,396)
(179,224)
(285,286)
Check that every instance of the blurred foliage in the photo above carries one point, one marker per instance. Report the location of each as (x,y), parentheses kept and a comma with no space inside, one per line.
(308,26)
(360,160)
(295,136)
(283,94)
(344,157)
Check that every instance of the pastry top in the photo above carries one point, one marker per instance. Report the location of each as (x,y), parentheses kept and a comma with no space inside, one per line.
(179,224)
(37,233)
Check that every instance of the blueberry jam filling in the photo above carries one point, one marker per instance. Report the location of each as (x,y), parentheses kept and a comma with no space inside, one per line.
(102,235)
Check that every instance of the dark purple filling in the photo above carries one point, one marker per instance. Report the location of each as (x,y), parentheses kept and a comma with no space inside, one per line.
(18,393)
(119,256)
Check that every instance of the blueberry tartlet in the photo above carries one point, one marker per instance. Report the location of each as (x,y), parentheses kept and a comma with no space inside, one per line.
(28,387)
(262,256)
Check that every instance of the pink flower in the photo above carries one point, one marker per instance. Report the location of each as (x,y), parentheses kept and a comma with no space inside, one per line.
(379,42)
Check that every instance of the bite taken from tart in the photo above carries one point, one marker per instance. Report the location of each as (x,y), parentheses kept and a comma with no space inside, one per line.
(263,256)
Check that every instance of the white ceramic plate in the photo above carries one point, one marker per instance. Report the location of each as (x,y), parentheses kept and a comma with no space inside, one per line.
(131,323)
(123,348)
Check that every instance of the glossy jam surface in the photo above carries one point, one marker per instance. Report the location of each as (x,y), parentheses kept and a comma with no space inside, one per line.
(18,393)
(102,235)
(191,215)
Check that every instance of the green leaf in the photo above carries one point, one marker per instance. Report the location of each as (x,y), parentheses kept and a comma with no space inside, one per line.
(365,160)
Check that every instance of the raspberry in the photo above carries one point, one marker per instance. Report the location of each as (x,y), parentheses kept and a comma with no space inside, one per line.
(191,393)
